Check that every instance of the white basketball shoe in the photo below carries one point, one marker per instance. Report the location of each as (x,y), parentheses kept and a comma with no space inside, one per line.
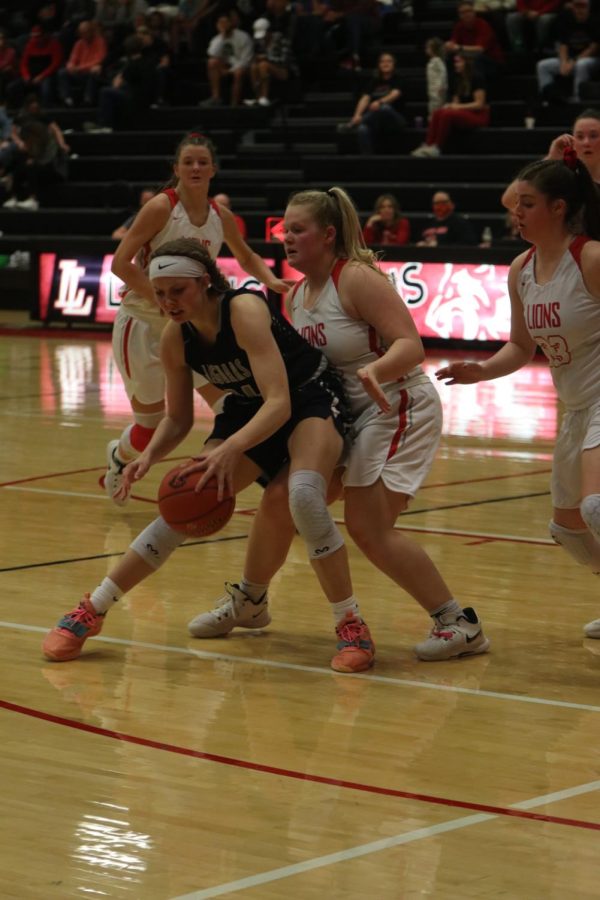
(462,637)
(113,478)
(234,610)
(592,629)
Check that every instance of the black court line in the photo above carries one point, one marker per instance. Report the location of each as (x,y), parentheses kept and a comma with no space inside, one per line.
(77,559)
(428,509)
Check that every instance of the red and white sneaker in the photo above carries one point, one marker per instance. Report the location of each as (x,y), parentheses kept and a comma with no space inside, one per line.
(462,637)
(355,648)
(66,640)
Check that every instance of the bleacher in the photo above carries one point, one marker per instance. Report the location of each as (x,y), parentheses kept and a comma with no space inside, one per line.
(267,153)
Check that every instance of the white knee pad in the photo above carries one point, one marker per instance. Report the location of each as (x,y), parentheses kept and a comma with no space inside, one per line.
(590,513)
(581,545)
(308,506)
(156,543)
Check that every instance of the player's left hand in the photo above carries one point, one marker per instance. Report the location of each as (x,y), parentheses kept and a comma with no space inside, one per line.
(368,379)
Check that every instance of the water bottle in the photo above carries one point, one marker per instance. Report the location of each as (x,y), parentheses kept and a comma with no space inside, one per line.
(486,237)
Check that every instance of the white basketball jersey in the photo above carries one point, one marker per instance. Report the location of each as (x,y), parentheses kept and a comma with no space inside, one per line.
(563,318)
(178,225)
(347,343)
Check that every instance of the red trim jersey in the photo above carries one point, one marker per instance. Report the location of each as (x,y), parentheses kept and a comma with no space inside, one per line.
(563,318)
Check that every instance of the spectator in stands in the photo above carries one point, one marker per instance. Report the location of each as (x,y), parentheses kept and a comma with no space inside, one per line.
(436,74)
(84,67)
(476,38)
(273,56)
(386,225)
(578,33)
(131,92)
(380,109)
(146,193)
(530,27)
(42,159)
(8,65)
(467,111)
(155,51)
(585,141)
(448,226)
(229,57)
(190,16)
(353,24)
(225,200)
(74,13)
(41,59)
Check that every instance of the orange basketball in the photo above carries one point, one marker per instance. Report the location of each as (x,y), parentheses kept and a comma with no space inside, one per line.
(196,513)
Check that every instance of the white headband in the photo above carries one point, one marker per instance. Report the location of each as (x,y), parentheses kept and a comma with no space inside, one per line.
(175,267)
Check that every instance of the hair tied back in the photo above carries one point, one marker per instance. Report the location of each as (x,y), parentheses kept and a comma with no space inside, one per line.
(570,158)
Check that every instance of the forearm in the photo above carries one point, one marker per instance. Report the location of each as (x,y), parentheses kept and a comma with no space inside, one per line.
(134,278)
(508,359)
(254,265)
(399,359)
(169,434)
(270,417)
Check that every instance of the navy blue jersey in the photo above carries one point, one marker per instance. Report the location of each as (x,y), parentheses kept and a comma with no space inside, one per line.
(224,363)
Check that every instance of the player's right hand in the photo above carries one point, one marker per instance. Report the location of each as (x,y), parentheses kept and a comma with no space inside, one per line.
(463,372)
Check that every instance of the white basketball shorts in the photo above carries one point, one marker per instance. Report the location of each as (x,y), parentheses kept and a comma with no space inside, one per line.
(135,345)
(579,431)
(399,447)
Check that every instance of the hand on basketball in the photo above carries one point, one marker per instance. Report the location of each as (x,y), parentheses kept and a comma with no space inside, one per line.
(219,463)
(372,387)
(461,373)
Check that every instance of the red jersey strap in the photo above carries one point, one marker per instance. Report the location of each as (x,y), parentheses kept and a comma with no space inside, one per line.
(337,271)
(215,206)
(295,288)
(173,196)
(530,253)
(576,246)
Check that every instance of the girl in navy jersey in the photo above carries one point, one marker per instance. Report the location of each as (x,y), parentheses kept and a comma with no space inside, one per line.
(182,209)
(555,304)
(350,310)
(284,403)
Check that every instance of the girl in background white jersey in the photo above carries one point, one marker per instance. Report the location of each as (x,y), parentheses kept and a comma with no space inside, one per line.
(555,303)
(585,141)
(182,209)
(351,311)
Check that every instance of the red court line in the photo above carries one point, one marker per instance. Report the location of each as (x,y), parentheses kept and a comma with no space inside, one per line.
(291,773)
(486,478)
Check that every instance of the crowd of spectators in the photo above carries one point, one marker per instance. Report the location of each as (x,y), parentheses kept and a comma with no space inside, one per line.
(116,58)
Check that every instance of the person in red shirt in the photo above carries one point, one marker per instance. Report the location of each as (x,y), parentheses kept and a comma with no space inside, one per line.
(476,38)
(386,225)
(41,59)
(8,64)
(530,26)
(84,66)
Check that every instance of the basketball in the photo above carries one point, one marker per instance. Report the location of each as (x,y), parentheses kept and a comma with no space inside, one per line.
(195,513)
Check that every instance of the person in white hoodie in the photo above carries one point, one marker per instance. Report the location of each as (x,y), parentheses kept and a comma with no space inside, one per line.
(229,56)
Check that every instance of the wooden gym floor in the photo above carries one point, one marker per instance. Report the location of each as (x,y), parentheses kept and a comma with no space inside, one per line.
(159,767)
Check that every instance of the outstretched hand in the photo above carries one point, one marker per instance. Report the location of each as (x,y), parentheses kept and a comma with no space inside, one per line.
(464,372)
(368,379)
(281,285)
(133,471)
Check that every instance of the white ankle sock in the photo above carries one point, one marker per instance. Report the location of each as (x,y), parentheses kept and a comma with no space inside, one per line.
(256,592)
(340,609)
(450,611)
(105,595)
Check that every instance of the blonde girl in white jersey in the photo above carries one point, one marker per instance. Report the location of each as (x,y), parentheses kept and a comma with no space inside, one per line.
(555,304)
(182,210)
(351,311)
